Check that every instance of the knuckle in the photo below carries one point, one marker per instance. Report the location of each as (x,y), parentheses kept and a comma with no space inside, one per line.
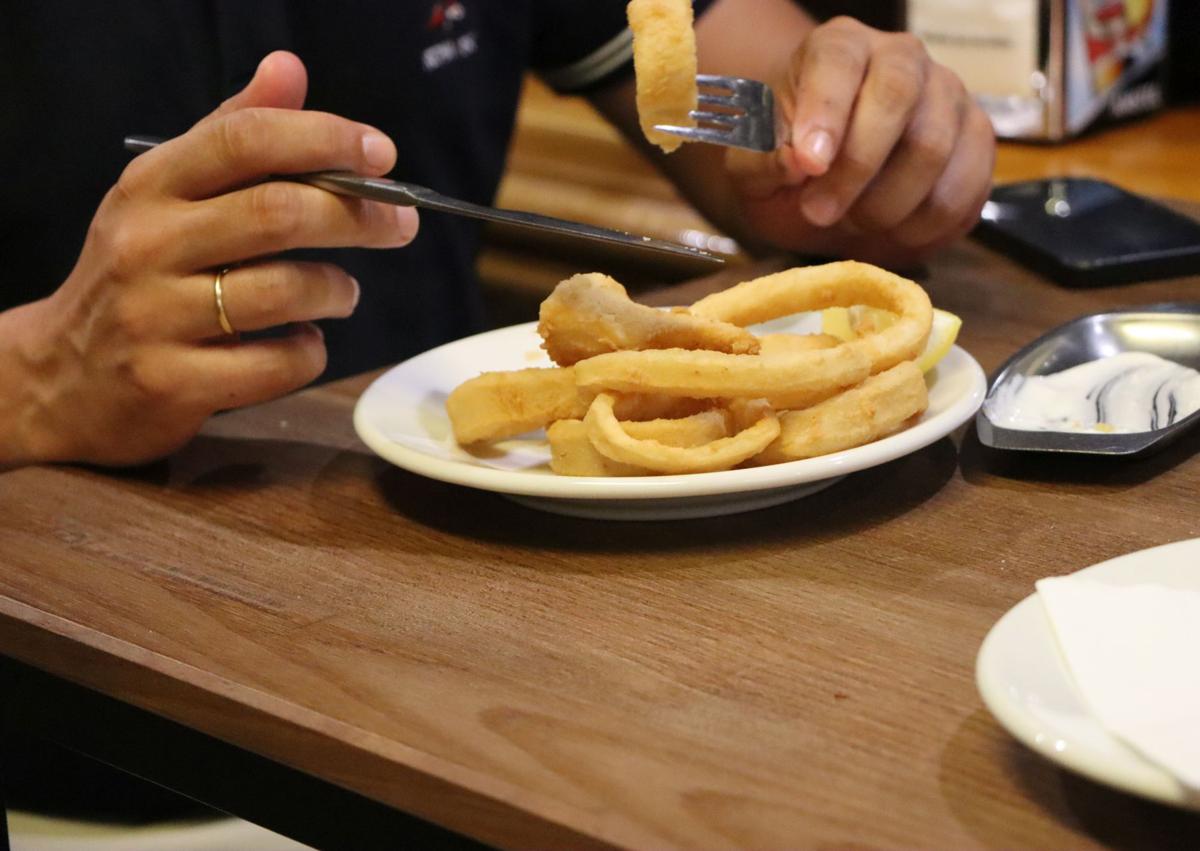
(843,24)
(907,43)
(132,320)
(837,52)
(238,137)
(145,376)
(931,146)
(276,211)
(273,291)
(133,180)
(897,82)
(128,248)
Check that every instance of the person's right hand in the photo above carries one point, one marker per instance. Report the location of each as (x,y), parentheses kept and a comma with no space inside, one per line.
(125,361)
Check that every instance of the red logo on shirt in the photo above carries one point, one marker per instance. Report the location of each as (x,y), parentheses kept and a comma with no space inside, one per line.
(445,14)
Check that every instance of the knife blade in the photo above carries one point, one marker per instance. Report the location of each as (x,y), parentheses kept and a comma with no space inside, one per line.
(411,195)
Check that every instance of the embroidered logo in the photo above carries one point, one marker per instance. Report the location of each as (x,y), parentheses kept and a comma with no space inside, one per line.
(446,18)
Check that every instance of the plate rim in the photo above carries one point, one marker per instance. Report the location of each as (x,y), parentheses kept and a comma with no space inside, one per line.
(669,486)
(1148,780)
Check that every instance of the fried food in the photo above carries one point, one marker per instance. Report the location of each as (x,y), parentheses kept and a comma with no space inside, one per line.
(676,372)
(755,426)
(591,314)
(874,409)
(842,284)
(572,452)
(664,63)
(773,345)
(496,405)
(648,392)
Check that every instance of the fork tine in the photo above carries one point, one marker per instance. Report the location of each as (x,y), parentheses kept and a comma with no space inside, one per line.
(726,119)
(715,81)
(697,134)
(715,100)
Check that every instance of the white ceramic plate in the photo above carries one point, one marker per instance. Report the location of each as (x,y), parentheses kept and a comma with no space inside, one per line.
(1026,685)
(402,417)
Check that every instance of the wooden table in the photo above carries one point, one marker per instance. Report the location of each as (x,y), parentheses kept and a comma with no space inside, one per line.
(800,676)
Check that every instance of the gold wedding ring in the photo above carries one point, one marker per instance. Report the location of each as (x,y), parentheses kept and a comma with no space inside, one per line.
(221,315)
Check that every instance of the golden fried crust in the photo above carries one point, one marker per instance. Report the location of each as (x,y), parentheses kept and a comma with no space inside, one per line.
(496,405)
(875,408)
(842,284)
(572,452)
(591,314)
(664,62)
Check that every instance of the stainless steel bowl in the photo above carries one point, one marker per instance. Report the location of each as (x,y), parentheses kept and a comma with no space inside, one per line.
(1171,331)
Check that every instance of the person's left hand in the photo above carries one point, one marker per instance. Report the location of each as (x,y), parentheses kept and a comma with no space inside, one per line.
(889,157)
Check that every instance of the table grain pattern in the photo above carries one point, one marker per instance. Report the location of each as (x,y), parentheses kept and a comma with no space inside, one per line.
(800,676)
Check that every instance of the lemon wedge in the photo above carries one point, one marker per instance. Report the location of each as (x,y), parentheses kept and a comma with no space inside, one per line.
(941,337)
(848,323)
(835,321)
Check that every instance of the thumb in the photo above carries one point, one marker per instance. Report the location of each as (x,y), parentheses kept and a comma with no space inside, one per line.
(280,81)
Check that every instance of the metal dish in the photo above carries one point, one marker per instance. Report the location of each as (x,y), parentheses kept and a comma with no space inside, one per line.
(1171,331)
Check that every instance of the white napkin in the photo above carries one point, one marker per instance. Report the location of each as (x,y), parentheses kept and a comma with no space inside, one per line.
(1134,653)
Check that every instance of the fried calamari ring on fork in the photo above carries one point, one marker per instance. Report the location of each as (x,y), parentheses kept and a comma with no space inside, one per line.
(664,63)
(842,284)
(754,420)
(590,314)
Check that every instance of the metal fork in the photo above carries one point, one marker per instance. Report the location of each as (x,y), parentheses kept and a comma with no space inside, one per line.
(746,116)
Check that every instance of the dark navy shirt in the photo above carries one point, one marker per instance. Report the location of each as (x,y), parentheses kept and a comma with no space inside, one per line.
(441,77)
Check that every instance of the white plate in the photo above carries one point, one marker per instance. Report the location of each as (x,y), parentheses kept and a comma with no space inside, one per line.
(1026,685)
(402,417)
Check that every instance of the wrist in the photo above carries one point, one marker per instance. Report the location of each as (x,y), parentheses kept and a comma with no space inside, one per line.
(25,353)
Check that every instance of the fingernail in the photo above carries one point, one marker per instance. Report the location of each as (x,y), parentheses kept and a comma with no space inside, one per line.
(820,209)
(357,293)
(377,150)
(408,221)
(818,144)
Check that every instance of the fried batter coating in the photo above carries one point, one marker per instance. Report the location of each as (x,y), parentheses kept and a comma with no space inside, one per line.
(664,62)
(876,408)
(496,405)
(591,314)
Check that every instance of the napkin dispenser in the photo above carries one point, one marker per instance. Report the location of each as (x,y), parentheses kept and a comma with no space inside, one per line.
(1050,69)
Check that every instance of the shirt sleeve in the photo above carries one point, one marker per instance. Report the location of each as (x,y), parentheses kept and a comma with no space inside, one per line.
(582,46)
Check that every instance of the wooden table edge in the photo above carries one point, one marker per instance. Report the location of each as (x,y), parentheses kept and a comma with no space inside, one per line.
(425,786)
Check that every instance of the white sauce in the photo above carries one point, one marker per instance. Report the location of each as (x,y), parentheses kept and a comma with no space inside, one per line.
(1129,392)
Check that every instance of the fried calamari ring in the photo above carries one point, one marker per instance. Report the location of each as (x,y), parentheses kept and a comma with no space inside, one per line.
(843,284)
(591,314)
(664,63)
(773,345)
(496,405)
(676,372)
(755,421)
(873,409)
(572,452)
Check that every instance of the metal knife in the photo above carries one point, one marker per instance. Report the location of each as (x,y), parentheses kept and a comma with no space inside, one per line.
(411,195)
